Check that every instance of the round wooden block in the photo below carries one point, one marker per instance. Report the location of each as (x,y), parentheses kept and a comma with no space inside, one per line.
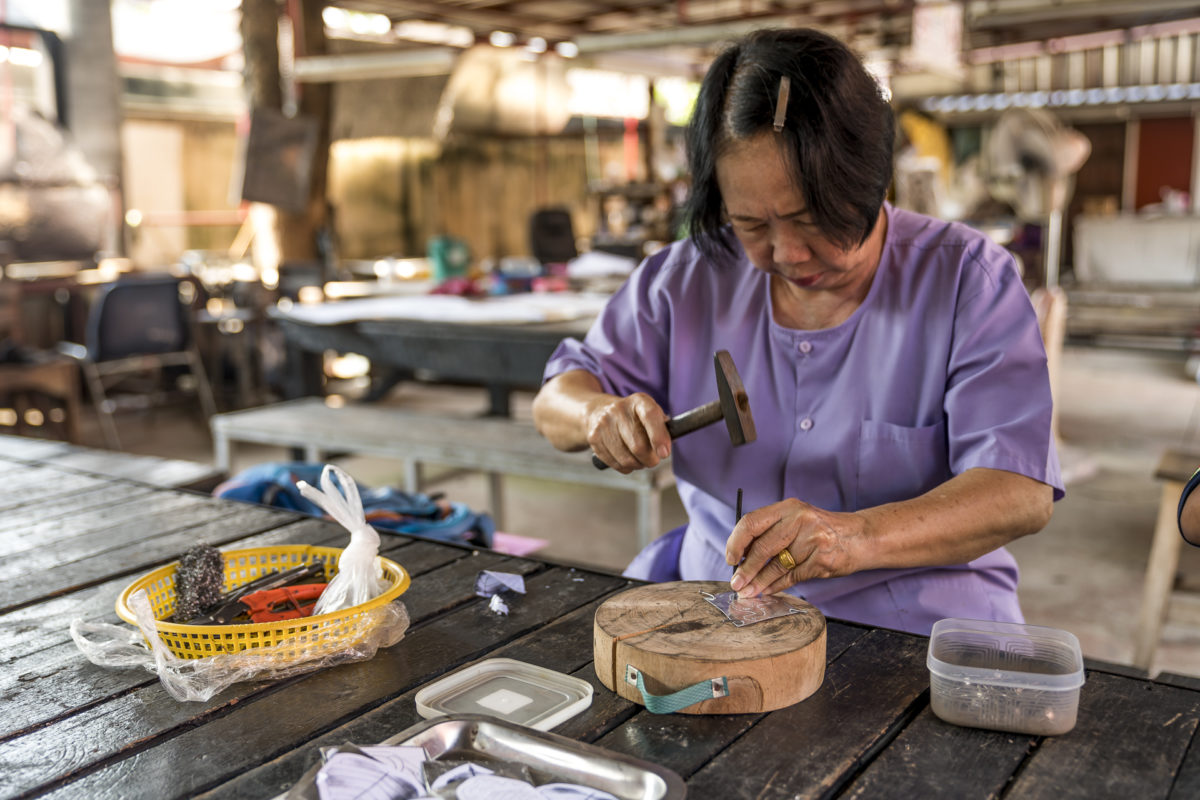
(676,638)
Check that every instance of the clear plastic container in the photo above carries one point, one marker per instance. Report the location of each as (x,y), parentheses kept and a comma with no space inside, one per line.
(514,691)
(1005,676)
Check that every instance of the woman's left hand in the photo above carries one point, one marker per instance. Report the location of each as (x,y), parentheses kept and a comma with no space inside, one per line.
(820,543)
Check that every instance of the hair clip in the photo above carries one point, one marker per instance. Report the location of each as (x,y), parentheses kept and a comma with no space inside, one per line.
(785,89)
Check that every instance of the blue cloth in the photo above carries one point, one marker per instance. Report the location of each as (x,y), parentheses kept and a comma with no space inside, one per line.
(274,484)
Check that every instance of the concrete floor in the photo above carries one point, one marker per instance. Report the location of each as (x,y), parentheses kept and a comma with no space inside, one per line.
(1118,411)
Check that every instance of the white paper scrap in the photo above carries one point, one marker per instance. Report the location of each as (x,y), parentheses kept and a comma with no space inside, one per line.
(498,605)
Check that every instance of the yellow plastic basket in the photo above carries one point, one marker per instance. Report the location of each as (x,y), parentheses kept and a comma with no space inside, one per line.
(325,634)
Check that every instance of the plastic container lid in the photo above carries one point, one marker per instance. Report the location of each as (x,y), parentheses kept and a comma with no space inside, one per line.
(511,690)
(1005,654)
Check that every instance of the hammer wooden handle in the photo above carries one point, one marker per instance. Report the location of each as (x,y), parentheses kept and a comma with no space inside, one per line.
(692,420)
(686,422)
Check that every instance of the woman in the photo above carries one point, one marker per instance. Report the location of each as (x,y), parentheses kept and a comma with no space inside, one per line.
(893,363)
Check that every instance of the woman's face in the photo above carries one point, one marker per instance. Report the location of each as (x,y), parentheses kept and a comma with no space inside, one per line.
(771,221)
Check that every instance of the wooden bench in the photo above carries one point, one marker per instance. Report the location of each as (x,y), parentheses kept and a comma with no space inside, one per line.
(494,445)
(1174,470)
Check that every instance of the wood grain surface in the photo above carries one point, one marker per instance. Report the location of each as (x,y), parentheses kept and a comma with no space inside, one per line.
(676,638)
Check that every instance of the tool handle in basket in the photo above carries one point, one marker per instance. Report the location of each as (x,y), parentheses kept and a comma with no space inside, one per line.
(276,579)
(286,602)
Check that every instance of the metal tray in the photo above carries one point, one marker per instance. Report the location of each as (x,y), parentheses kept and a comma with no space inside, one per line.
(549,757)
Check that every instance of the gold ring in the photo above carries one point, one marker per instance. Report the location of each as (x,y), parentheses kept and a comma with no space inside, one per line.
(785,560)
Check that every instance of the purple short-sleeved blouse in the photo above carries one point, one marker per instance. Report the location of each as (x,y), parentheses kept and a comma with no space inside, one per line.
(941,369)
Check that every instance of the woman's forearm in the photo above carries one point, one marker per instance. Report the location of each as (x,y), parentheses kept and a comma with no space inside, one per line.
(964,518)
(560,408)
(627,433)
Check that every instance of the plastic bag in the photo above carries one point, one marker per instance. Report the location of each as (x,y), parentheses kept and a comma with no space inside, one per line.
(200,679)
(359,580)
(359,577)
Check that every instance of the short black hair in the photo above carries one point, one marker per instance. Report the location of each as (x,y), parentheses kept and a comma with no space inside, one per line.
(838,133)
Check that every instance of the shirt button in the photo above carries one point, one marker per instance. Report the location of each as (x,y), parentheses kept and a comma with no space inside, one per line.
(805,424)
(806,347)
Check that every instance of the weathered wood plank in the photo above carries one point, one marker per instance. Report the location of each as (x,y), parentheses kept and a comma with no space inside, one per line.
(152,470)
(870,690)
(1175,679)
(417,556)
(89,533)
(462,572)
(969,762)
(1187,781)
(170,473)
(679,742)
(9,469)
(840,637)
(1113,668)
(250,730)
(33,483)
(57,514)
(607,711)
(30,449)
(34,472)
(137,557)
(1129,741)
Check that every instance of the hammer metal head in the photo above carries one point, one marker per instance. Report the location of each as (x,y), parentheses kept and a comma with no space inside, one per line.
(735,405)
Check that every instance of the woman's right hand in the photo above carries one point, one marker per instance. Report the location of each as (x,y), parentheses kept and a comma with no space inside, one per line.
(628,433)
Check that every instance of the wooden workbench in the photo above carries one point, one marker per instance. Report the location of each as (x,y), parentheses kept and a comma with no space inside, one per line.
(166,473)
(70,541)
(501,357)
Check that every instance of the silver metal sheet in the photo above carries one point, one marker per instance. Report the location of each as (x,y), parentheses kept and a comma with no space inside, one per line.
(548,756)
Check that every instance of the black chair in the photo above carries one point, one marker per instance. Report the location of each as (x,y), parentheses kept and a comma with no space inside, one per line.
(551,235)
(138,331)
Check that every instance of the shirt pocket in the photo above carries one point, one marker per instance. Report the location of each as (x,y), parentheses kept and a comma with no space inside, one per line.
(897,462)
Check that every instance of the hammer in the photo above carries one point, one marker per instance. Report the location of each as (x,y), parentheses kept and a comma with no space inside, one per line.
(731,405)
